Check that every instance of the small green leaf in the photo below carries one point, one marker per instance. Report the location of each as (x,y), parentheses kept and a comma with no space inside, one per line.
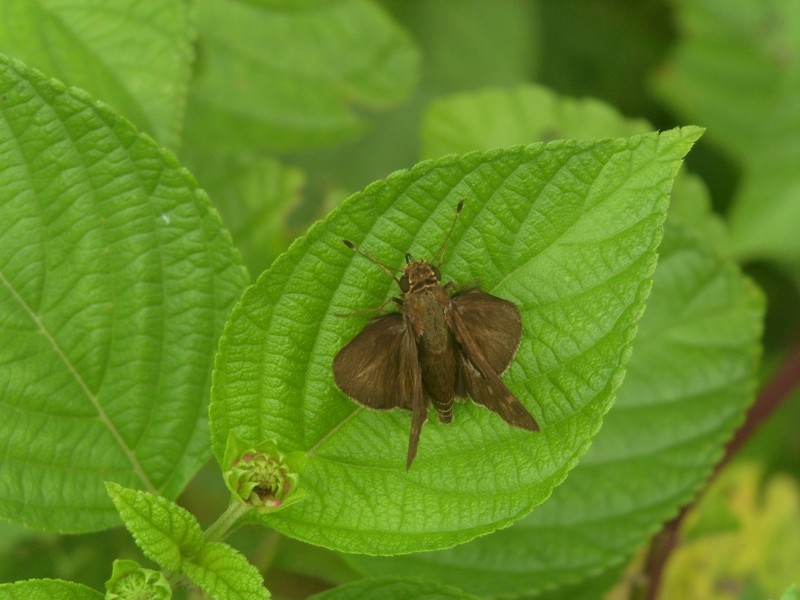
(282,77)
(567,231)
(169,535)
(735,69)
(690,379)
(166,532)
(47,589)
(115,279)
(89,43)
(393,588)
(223,572)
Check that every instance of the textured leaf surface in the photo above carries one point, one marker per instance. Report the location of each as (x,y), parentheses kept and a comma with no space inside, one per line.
(736,70)
(283,76)
(47,589)
(223,572)
(567,231)
(169,535)
(689,381)
(115,279)
(164,531)
(135,56)
(392,588)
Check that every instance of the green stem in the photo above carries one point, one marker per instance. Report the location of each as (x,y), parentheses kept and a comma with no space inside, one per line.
(222,527)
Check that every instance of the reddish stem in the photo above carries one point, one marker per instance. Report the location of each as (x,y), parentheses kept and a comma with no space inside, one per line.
(773,395)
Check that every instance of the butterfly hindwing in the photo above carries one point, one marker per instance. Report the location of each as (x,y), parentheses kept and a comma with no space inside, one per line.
(487,330)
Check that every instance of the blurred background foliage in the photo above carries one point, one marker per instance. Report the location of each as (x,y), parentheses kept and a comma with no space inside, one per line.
(276,151)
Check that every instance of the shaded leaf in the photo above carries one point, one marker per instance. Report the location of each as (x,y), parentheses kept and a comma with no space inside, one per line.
(498,117)
(88,44)
(282,77)
(736,69)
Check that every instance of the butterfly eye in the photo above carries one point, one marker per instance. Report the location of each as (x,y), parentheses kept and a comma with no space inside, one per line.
(437,273)
(404,285)
(409,258)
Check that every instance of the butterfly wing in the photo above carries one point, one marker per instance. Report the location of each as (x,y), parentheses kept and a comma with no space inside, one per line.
(488,330)
(380,369)
(493,322)
(374,368)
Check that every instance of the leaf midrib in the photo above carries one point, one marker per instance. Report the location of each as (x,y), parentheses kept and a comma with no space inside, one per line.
(93,399)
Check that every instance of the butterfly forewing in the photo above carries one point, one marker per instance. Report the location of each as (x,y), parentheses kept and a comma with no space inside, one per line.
(376,369)
(380,369)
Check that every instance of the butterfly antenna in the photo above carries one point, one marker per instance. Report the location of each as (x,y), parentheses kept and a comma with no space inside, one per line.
(443,247)
(357,250)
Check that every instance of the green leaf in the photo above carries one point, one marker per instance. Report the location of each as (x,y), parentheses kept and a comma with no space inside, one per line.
(394,588)
(115,279)
(567,231)
(135,56)
(166,532)
(47,589)
(255,198)
(736,69)
(494,118)
(281,77)
(223,572)
(690,379)
(446,30)
(169,535)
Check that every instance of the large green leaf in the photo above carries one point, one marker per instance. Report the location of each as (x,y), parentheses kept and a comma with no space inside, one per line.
(632,478)
(115,279)
(284,77)
(136,56)
(567,231)
(736,70)
(689,381)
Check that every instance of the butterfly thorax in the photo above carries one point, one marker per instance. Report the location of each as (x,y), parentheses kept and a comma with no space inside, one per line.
(426,305)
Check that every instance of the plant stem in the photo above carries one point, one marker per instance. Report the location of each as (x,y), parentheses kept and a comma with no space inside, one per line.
(220,528)
(772,395)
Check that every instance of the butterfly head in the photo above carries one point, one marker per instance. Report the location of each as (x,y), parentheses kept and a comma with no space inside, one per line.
(418,275)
